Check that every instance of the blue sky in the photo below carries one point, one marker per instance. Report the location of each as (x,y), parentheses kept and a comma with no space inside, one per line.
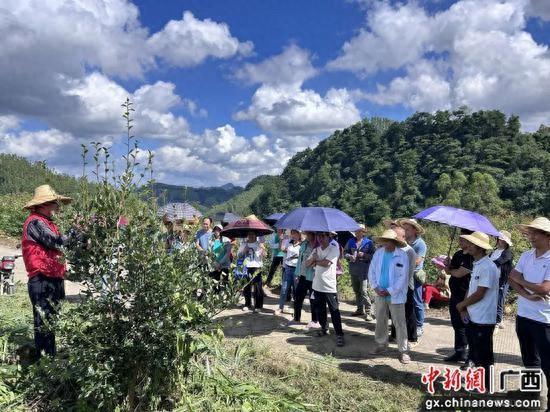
(227,90)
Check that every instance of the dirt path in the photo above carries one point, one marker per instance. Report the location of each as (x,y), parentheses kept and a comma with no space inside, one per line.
(71,288)
(435,345)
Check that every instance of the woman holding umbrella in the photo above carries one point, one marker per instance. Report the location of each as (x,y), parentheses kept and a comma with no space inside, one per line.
(252,252)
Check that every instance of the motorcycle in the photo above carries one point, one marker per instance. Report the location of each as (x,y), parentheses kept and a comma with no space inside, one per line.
(7,275)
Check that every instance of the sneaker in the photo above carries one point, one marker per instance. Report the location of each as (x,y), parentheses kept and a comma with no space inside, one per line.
(313,325)
(293,322)
(245,308)
(369,317)
(404,358)
(426,306)
(468,364)
(413,344)
(377,350)
(456,357)
(419,332)
(340,341)
(278,312)
(358,312)
(322,332)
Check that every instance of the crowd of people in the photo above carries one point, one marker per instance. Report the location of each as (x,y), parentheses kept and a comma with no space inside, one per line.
(387,275)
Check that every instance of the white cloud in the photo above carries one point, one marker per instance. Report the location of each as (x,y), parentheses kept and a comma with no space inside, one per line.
(189,41)
(292,66)
(474,53)
(540,8)
(282,106)
(8,123)
(292,110)
(44,144)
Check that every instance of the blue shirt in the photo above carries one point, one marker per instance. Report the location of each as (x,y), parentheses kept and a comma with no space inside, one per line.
(384,282)
(203,238)
(420,248)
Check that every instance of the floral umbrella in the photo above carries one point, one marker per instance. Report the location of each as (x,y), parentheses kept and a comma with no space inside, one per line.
(241,227)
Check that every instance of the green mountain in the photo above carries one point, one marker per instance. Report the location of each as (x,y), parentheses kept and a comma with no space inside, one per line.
(379,168)
(202,196)
(18,175)
(241,203)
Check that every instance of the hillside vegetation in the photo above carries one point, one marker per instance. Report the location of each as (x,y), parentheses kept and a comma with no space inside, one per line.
(203,196)
(379,168)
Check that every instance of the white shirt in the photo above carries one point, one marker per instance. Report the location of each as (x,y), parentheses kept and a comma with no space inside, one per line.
(535,270)
(324,279)
(292,252)
(485,274)
(254,257)
(496,254)
(399,273)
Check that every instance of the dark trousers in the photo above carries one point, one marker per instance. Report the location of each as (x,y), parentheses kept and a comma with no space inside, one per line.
(275,263)
(45,294)
(304,289)
(256,284)
(410,318)
(461,340)
(481,354)
(222,276)
(502,293)
(323,299)
(534,343)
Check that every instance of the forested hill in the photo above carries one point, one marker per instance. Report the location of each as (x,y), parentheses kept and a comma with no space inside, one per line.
(18,175)
(378,168)
(201,196)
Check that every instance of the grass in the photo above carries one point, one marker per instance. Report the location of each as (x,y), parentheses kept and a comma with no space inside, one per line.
(239,375)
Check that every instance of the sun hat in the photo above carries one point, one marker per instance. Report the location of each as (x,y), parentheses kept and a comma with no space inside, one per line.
(540,223)
(479,239)
(218,226)
(390,234)
(405,221)
(362,228)
(45,194)
(439,261)
(506,236)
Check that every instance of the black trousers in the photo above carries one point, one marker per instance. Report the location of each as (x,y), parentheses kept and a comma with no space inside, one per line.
(410,318)
(534,343)
(323,299)
(303,289)
(275,263)
(481,354)
(45,294)
(461,340)
(256,284)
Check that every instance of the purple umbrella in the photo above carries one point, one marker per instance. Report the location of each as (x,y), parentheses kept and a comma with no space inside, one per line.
(458,218)
(317,219)
(461,218)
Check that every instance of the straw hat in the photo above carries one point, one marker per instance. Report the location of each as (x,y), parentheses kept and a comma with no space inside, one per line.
(506,236)
(479,239)
(391,235)
(45,194)
(404,221)
(540,223)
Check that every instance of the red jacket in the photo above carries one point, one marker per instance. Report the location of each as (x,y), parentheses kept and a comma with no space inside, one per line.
(39,259)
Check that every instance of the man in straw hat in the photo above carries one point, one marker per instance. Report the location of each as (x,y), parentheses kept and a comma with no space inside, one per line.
(413,232)
(479,309)
(389,276)
(358,252)
(503,258)
(531,279)
(41,242)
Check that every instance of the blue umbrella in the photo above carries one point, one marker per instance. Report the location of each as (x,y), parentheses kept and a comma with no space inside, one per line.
(317,219)
(274,217)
